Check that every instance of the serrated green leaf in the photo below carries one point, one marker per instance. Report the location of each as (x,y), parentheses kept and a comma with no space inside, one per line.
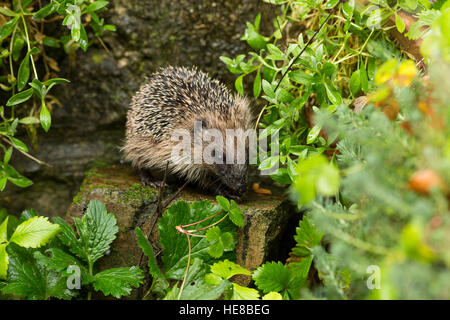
(244,293)
(223,203)
(26,279)
(235,214)
(118,282)
(307,237)
(34,232)
(68,237)
(272,276)
(97,230)
(226,269)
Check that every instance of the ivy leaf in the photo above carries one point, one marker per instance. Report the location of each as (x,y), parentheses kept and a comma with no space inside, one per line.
(244,293)
(118,281)
(226,269)
(236,215)
(34,232)
(307,237)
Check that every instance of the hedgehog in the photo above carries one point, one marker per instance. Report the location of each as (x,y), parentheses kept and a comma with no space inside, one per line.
(178,99)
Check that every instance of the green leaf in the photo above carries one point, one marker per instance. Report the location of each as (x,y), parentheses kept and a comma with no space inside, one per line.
(364,79)
(223,203)
(355,82)
(68,237)
(148,251)
(257,85)
(331,4)
(176,251)
(219,241)
(7,12)
(45,11)
(4,261)
(18,144)
(313,134)
(301,77)
(7,155)
(244,293)
(45,117)
(238,85)
(26,278)
(272,276)
(97,5)
(399,23)
(58,260)
(333,94)
(34,232)
(97,230)
(118,282)
(226,269)
(24,72)
(235,214)
(4,231)
(307,237)
(20,97)
(196,287)
(8,28)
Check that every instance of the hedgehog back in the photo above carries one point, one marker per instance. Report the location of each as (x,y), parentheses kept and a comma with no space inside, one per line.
(174,95)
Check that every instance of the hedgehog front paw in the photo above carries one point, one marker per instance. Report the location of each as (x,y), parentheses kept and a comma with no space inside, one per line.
(147,179)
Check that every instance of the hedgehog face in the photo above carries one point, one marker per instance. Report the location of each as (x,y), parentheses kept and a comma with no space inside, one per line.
(232,181)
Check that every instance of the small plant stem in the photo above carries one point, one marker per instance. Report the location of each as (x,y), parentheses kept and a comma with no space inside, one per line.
(211,225)
(210,217)
(10,60)
(28,44)
(89,297)
(187,267)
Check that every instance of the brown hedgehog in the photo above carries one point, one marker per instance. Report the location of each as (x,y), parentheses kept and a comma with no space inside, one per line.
(177,99)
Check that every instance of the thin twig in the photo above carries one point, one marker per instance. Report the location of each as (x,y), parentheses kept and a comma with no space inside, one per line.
(187,267)
(27,154)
